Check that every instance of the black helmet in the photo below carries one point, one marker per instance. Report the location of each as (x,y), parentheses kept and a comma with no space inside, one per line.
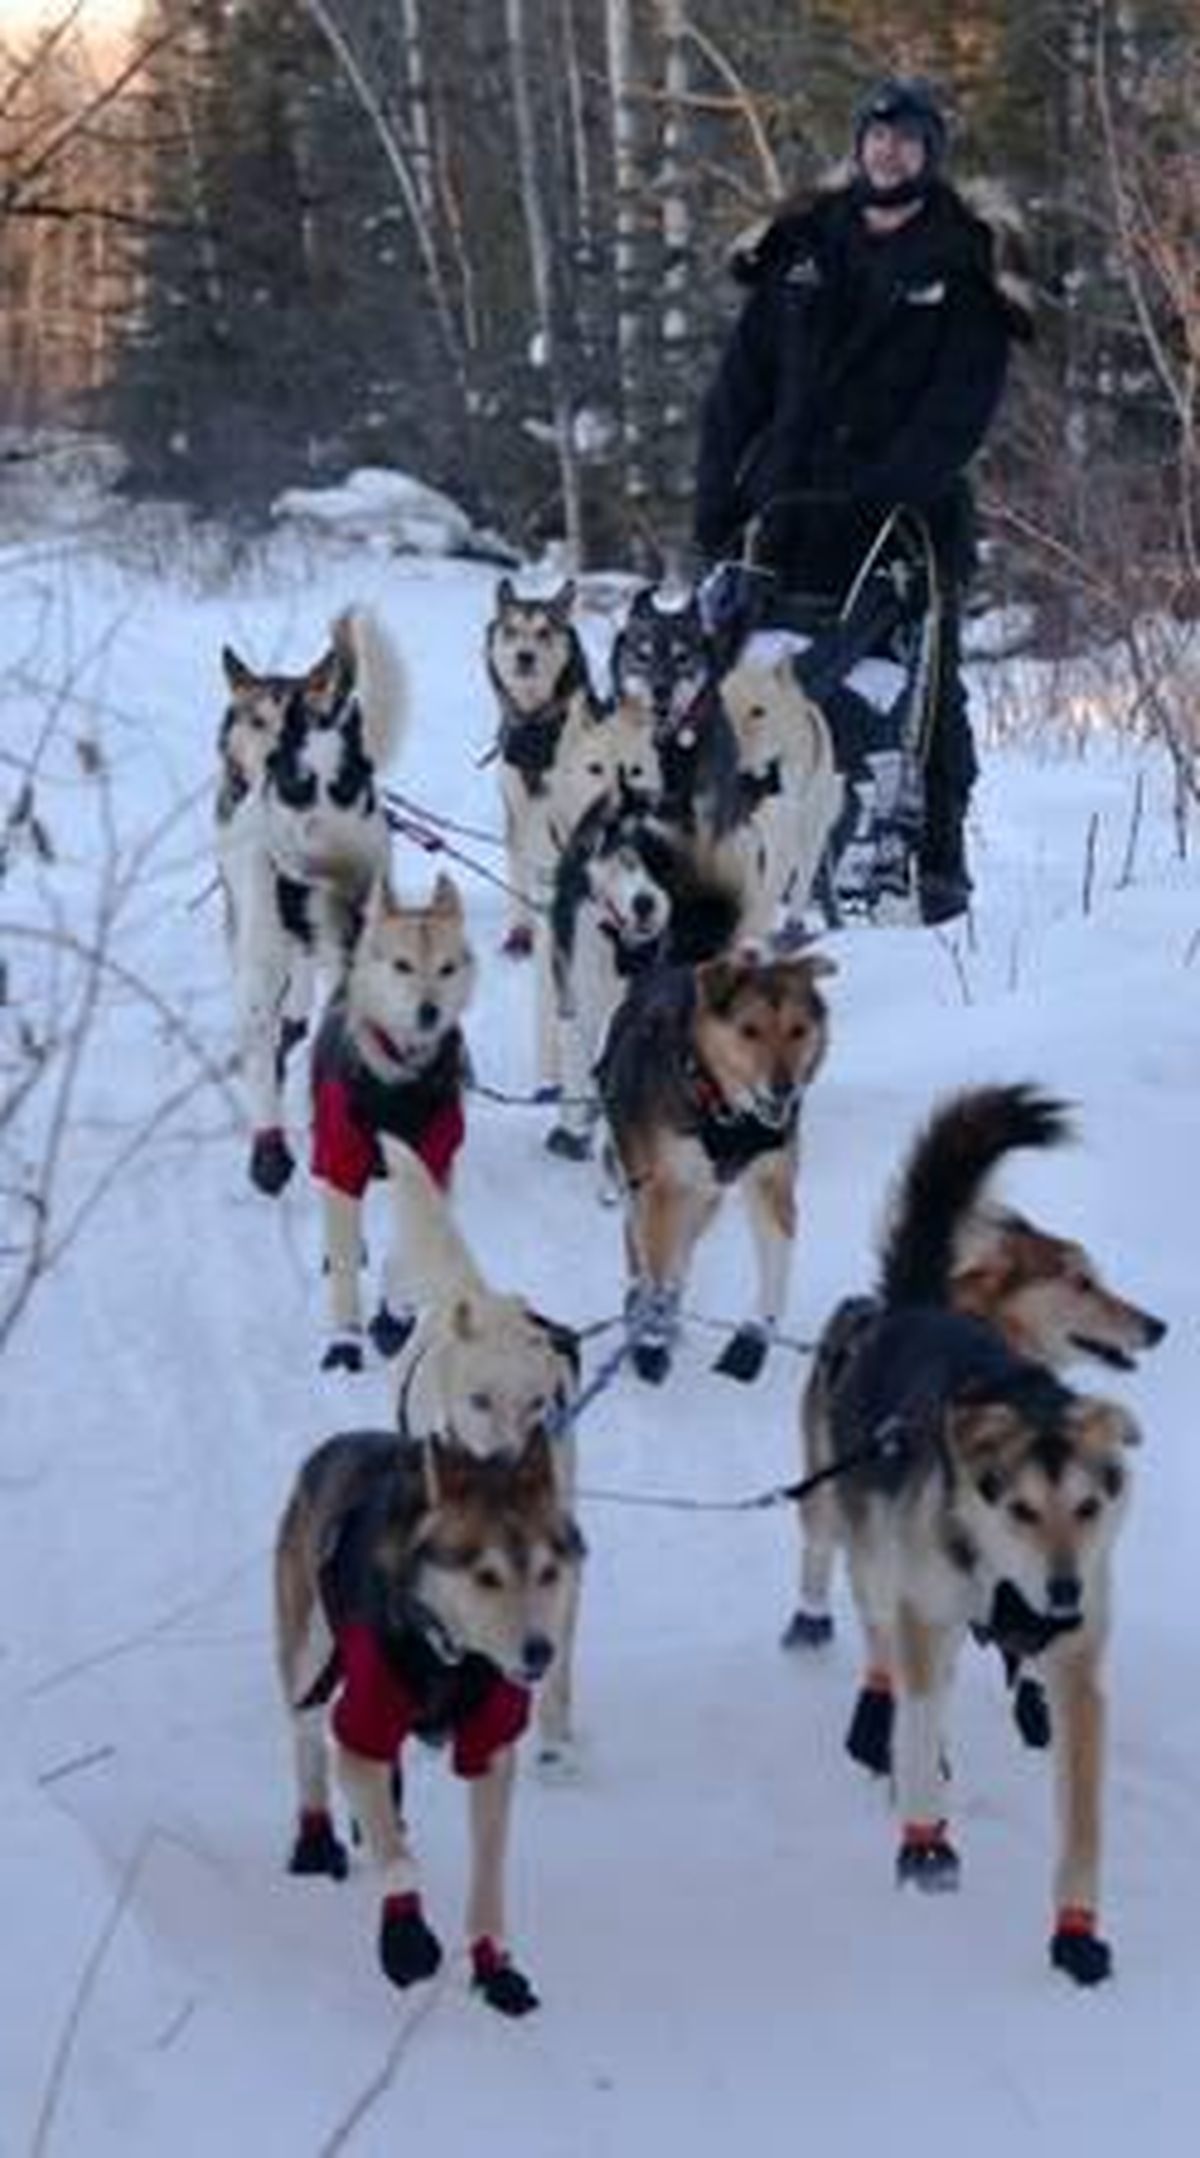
(907,102)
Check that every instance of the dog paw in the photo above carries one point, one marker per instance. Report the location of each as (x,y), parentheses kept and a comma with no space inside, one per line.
(502,1985)
(744,1354)
(409,1950)
(343,1353)
(271,1162)
(317,1849)
(928,1860)
(651,1360)
(869,1735)
(1075,1949)
(518,941)
(568,1145)
(1031,1713)
(807,1629)
(389,1330)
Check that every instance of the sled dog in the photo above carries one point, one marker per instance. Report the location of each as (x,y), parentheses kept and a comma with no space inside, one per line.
(630,893)
(702,1079)
(488,1369)
(424,1589)
(1045,1297)
(537,667)
(389,1058)
(663,659)
(790,789)
(976,1490)
(301,836)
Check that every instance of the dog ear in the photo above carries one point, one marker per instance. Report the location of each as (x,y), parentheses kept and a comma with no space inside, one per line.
(505,593)
(449,1472)
(1105,1426)
(816,964)
(324,678)
(237,673)
(719,980)
(563,601)
(642,602)
(447,899)
(533,1468)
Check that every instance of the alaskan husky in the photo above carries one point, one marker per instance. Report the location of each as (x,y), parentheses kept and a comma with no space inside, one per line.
(975,1490)
(702,1079)
(630,893)
(790,789)
(389,1059)
(537,667)
(301,836)
(1045,1297)
(663,659)
(425,1590)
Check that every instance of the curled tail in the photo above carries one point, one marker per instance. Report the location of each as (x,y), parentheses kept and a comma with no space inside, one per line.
(438,1267)
(380,677)
(944,1175)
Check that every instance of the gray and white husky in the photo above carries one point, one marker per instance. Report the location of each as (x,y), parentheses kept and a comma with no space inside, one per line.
(301,838)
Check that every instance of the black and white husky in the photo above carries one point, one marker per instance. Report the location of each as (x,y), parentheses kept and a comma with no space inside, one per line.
(301,838)
(631,893)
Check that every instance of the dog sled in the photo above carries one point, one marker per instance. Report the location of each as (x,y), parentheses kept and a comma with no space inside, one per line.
(872,665)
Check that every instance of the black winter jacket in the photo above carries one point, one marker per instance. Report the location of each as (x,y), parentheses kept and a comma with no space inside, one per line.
(864,370)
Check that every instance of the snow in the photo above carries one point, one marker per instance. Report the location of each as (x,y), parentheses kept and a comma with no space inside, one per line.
(708,1912)
(384,509)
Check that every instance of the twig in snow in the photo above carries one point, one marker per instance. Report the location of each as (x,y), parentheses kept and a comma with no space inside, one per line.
(1089,860)
(85,1986)
(1135,825)
(373,2091)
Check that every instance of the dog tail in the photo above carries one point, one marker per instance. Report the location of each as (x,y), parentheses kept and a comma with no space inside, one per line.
(437,1264)
(963,1142)
(380,677)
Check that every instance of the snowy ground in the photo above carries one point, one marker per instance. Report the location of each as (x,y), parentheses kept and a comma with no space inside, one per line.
(709,1912)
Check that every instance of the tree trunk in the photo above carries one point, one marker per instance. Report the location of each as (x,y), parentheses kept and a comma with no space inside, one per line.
(538,236)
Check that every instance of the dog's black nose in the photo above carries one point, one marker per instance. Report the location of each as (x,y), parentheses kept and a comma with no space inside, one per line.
(537,1655)
(643,906)
(1154,1329)
(428,1016)
(526,662)
(1064,1592)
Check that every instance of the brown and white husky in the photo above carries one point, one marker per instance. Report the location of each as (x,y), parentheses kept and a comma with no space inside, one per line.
(974,1490)
(389,1060)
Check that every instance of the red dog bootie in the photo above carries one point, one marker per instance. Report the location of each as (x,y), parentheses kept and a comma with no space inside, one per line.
(1076,1947)
(502,1985)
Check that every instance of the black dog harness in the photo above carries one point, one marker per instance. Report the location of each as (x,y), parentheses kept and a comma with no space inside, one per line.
(733,1138)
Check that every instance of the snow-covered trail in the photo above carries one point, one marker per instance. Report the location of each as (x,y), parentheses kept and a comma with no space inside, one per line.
(709,1911)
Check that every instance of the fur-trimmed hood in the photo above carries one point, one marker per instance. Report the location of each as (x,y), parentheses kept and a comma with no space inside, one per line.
(988,215)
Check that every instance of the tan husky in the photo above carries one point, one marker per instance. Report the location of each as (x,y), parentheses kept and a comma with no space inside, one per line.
(389,1058)
(790,788)
(424,1591)
(974,1490)
(702,1080)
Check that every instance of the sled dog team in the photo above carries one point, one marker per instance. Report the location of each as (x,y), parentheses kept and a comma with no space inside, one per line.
(662,847)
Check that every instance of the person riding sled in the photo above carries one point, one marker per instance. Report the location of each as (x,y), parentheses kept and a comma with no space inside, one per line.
(859,381)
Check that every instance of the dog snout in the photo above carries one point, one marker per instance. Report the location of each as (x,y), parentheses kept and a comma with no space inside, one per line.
(525,660)
(1063,1592)
(428,1015)
(1153,1329)
(537,1655)
(643,906)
